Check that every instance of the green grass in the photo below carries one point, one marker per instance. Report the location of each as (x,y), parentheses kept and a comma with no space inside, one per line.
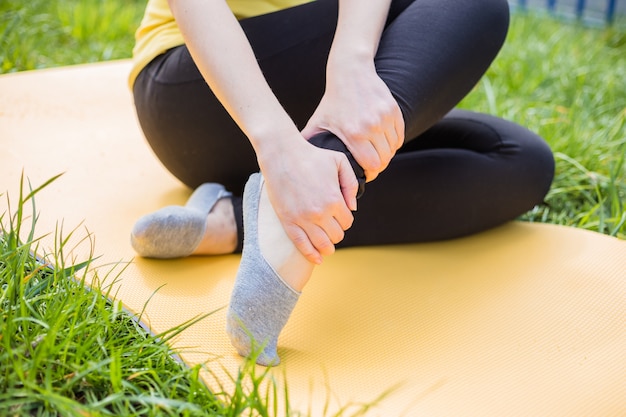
(67,350)
(46,33)
(564,81)
(568,84)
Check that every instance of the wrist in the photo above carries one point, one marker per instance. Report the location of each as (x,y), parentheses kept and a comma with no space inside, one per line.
(350,56)
(274,144)
(348,69)
(349,61)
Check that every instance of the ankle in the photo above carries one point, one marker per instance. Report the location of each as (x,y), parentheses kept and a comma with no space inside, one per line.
(220,235)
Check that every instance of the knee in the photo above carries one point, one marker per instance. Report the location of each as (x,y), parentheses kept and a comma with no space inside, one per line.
(534,165)
(489,16)
(498,15)
(544,166)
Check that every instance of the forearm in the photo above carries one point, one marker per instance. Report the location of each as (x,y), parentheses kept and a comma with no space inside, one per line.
(357,106)
(359,27)
(311,190)
(223,55)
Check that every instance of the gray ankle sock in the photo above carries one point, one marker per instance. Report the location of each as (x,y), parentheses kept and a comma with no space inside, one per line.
(261,302)
(175,231)
(206,195)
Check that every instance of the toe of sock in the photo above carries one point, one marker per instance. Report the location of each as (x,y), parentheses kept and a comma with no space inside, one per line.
(171,232)
(245,345)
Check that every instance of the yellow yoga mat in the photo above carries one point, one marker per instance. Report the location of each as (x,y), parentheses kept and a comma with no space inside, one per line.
(522,320)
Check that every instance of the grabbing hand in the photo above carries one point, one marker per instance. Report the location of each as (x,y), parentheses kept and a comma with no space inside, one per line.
(358,107)
(312,191)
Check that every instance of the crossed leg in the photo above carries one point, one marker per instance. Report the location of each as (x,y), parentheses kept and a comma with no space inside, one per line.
(431,54)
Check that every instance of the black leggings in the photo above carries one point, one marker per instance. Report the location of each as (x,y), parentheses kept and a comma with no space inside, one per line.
(458,172)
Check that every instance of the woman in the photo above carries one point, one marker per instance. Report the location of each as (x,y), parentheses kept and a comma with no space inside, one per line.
(322,97)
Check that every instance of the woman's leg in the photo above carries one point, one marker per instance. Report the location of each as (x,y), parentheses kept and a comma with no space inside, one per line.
(435,51)
(263,296)
(195,138)
(467,173)
(431,54)
(423,57)
(197,141)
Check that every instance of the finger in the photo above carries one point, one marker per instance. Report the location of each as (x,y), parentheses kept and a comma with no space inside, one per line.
(302,242)
(367,157)
(309,131)
(399,127)
(392,132)
(349,187)
(333,230)
(391,135)
(380,142)
(378,154)
(344,217)
(320,240)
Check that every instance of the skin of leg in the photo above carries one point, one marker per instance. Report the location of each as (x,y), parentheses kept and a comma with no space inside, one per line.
(220,235)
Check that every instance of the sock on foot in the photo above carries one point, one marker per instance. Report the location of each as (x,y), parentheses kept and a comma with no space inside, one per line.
(261,302)
(176,231)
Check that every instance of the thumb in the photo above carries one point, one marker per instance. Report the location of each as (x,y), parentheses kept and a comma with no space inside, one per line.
(347,182)
(311,129)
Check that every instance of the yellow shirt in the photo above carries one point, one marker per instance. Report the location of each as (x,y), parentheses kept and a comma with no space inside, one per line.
(159,32)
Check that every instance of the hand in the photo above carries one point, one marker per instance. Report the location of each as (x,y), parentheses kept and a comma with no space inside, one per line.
(313,193)
(358,107)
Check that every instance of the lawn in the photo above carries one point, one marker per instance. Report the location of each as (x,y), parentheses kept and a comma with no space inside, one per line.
(568,84)
(86,356)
